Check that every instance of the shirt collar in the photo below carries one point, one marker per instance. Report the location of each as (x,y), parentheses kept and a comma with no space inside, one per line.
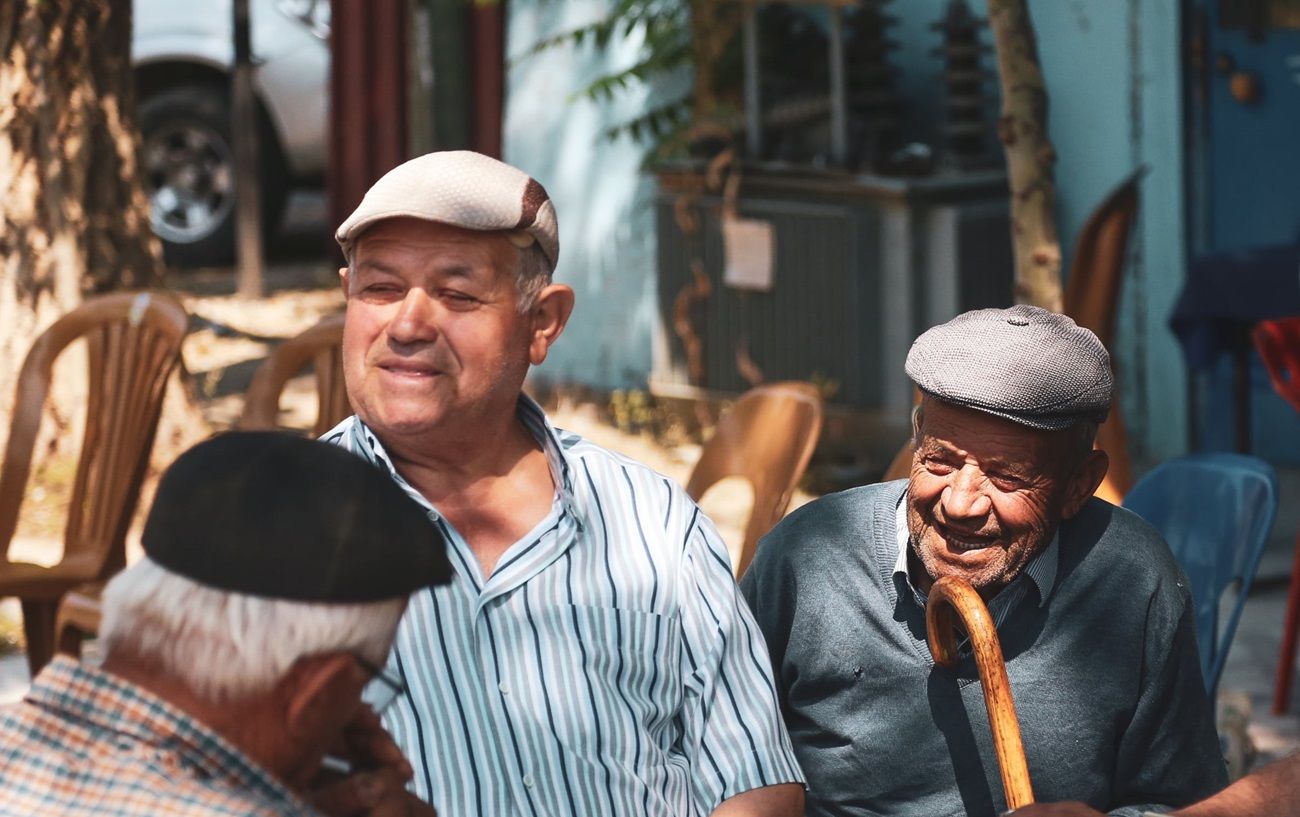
(533,419)
(113,704)
(1041,570)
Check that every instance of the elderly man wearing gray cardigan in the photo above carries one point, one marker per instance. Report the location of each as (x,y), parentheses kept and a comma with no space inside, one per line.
(1094,616)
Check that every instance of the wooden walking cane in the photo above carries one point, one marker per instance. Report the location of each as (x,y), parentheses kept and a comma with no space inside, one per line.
(951,597)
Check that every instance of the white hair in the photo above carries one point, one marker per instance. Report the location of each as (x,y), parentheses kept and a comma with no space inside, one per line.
(533,275)
(227,646)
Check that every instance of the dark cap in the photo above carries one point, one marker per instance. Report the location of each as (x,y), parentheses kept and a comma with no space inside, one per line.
(265,513)
(1031,366)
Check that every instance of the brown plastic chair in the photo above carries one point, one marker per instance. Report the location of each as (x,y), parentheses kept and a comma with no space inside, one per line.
(78,617)
(768,438)
(321,346)
(133,342)
(1091,298)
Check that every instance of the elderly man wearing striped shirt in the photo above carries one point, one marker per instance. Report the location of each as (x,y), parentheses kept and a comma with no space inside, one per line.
(591,655)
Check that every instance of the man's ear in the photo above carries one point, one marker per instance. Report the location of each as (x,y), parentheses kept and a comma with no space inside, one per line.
(343,280)
(318,689)
(1087,477)
(550,313)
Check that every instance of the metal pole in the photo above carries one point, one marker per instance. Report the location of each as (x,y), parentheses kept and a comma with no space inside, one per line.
(244,126)
(753,111)
(839,102)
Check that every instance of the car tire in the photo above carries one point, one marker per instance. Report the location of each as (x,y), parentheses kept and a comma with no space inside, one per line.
(188,161)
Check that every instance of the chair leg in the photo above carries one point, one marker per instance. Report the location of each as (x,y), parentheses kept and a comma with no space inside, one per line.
(1290,632)
(38,628)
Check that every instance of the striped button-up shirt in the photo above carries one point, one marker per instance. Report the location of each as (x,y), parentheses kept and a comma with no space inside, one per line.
(607,666)
(1040,573)
(84,742)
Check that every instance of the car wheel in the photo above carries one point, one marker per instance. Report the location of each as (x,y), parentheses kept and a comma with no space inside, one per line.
(189,171)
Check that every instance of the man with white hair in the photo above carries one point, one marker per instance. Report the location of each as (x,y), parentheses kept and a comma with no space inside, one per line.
(236,651)
(1094,616)
(591,654)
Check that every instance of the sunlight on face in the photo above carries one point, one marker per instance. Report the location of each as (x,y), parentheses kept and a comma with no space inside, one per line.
(985,495)
(433,335)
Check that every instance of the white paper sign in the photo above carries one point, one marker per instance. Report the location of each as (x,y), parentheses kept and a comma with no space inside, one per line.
(750,247)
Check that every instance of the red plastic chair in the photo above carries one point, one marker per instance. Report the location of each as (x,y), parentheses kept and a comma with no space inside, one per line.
(1278,343)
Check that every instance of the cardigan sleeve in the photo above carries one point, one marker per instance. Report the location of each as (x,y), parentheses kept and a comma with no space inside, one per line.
(1169,755)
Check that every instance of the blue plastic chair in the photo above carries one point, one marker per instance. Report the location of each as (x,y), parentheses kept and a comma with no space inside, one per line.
(1216,512)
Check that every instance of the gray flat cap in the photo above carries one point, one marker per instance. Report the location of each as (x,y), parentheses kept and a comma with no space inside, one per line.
(464,189)
(1029,365)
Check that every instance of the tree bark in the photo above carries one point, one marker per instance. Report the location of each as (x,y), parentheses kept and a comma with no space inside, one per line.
(1022,129)
(74,218)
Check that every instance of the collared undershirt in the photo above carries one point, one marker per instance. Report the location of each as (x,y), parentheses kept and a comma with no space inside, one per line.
(1040,573)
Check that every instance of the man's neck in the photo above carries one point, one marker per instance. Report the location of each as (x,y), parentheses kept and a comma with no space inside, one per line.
(245,725)
(493,488)
(443,466)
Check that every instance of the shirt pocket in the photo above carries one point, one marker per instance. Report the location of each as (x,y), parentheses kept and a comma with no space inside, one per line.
(630,661)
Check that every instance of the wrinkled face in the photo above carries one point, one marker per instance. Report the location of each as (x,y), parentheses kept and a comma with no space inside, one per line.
(985,495)
(433,336)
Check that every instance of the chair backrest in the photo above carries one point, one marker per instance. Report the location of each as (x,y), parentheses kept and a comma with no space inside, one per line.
(133,342)
(1216,512)
(767,437)
(321,345)
(1096,270)
(1278,343)
(1091,299)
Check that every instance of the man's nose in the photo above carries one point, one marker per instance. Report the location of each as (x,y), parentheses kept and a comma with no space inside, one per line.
(416,318)
(965,498)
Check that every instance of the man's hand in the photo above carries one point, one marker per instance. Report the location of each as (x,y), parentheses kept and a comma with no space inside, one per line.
(1056,810)
(378,793)
(377,786)
(781,800)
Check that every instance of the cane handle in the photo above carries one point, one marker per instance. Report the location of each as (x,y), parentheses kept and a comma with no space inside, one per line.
(952,598)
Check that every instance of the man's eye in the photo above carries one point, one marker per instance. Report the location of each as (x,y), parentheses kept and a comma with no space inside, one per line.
(1006,482)
(936,466)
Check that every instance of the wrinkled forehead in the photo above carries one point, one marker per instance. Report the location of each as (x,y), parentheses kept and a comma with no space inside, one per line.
(433,242)
(988,437)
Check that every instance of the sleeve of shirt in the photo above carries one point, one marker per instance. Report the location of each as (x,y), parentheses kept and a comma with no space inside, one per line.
(732,734)
(1169,755)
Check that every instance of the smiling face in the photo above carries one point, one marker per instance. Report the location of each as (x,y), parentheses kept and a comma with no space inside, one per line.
(434,338)
(986,494)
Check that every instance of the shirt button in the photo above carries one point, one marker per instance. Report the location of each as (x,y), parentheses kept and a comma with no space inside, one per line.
(504,687)
(528,781)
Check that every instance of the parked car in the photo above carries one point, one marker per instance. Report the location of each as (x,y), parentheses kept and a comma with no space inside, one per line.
(183,55)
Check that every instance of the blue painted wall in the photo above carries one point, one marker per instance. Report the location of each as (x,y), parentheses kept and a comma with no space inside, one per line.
(1114,76)
(1113,73)
(1112,68)
(603,201)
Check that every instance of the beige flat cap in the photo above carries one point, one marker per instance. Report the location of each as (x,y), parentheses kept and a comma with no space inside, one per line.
(464,189)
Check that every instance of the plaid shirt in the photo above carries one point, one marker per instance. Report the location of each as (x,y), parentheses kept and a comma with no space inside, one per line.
(84,742)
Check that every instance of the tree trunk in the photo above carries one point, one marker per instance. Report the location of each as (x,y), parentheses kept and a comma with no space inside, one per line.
(74,218)
(1022,129)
